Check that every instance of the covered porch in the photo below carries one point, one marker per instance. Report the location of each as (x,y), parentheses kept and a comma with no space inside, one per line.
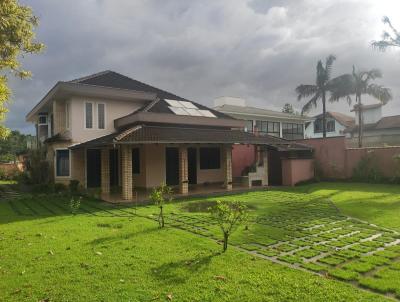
(193,161)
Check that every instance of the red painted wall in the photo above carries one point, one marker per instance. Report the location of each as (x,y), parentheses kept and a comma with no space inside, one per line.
(338,161)
(296,170)
(242,157)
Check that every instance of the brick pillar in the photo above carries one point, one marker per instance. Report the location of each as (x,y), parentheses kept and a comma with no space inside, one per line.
(183,171)
(126,165)
(265,165)
(228,167)
(105,171)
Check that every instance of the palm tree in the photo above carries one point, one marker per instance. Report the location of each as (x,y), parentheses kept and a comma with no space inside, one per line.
(389,39)
(359,83)
(322,86)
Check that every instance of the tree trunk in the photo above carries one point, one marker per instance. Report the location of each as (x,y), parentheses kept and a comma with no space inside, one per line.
(360,123)
(225,246)
(323,114)
(161,218)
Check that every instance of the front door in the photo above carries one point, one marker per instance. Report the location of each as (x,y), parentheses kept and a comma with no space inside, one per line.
(172,166)
(93,168)
(274,168)
(192,165)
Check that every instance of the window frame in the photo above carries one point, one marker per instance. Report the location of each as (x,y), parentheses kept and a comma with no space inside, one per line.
(98,117)
(327,126)
(55,163)
(85,115)
(201,163)
(67,115)
(266,125)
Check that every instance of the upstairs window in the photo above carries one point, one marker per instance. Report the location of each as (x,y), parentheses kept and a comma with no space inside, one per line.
(269,128)
(248,126)
(88,115)
(42,120)
(101,115)
(62,163)
(330,126)
(67,116)
(210,158)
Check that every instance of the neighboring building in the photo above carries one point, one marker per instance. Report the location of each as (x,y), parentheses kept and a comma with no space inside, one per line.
(377,130)
(263,121)
(336,123)
(108,130)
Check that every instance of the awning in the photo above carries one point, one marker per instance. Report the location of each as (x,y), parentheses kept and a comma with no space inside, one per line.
(147,134)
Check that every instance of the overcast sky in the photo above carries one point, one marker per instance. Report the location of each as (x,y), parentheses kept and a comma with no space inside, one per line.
(259,50)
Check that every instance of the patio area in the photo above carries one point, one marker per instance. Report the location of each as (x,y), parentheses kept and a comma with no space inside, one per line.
(141,195)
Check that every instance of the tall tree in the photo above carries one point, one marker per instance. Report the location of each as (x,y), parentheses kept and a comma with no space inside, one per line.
(17,38)
(389,38)
(323,85)
(288,108)
(358,83)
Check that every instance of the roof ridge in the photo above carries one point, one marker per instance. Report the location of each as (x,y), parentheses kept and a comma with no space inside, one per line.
(90,76)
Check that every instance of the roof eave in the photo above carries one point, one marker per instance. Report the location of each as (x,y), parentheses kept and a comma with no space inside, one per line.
(69,89)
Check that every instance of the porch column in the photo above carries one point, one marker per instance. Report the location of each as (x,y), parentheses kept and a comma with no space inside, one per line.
(183,171)
(127,181)
(228,167)
(105,171)
(265,167)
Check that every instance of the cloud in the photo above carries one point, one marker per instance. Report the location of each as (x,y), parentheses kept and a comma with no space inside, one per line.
(259,50)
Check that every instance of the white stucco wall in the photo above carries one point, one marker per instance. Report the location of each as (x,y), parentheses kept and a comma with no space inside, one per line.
(371,115)
(113,110)
(339,128)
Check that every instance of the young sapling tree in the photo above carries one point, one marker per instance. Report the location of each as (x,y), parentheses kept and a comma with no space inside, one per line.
(229,215)
(160,196)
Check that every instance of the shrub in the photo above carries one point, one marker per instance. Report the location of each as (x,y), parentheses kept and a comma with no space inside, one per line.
(73,186)
(367,169)
(37,167)
(59,187)
(43,188)
(160,196)
(75,204)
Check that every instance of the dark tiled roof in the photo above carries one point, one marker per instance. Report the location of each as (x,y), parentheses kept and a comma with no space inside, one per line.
(144,134)
(116,80)
(387,122)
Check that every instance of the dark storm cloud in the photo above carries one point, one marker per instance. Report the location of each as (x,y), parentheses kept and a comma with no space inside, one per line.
(259,50)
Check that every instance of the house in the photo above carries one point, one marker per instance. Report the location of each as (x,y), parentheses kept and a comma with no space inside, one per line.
(263,121)
(377,130)
(336,123)
(112,132)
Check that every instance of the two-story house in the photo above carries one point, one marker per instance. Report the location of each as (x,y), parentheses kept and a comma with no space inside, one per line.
(108,130)
(263,121)
(336,124)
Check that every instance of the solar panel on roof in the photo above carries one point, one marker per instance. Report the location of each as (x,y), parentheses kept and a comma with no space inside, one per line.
(174,103)
(178,111)
(207,113)
(188,105)
(193,112)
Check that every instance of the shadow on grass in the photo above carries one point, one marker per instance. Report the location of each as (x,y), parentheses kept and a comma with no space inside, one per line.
(111,239)
(181,271)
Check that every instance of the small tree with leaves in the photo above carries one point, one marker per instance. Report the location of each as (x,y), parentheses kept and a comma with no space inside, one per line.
(229,215)
(288,108)
(160,196)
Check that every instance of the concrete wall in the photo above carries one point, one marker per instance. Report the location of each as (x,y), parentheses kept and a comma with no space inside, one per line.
(336,160)
(296,170)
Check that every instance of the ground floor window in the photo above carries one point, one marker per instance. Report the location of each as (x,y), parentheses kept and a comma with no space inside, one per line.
(210,158)
(62,162)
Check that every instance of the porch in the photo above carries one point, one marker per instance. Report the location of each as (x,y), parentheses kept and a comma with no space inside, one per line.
(125,166)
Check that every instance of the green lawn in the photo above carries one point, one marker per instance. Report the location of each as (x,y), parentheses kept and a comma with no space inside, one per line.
(108,253)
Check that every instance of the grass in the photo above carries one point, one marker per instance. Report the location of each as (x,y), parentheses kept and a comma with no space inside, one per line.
(106,253)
